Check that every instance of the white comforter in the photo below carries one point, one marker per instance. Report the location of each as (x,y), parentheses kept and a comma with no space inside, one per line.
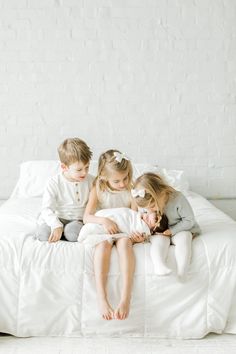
(126,219)
(48,289)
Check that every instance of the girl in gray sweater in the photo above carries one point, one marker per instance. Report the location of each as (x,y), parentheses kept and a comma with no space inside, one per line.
(154,194)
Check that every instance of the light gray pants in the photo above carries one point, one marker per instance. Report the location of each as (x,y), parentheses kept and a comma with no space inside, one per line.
(70,233)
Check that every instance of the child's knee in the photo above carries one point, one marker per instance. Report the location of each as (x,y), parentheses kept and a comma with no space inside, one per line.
(71,236)
(43,232)
(124,242)
(104,246)
(183,237)
(72,230)
(157,240)
(186,236)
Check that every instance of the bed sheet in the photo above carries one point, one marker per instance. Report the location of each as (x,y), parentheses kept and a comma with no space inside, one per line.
(49,290)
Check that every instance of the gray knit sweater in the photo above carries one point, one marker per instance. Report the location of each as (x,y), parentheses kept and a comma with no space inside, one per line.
(180,215)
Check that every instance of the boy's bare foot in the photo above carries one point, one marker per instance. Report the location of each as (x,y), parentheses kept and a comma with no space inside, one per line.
(122,311)
(106,310)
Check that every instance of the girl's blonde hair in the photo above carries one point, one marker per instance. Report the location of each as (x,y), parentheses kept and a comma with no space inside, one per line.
(157,191)
(108,161)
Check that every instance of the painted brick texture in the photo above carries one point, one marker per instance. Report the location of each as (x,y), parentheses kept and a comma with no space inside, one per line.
(153,78)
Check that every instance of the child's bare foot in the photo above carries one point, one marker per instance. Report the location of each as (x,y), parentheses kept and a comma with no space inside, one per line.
(106,310)
(122,311)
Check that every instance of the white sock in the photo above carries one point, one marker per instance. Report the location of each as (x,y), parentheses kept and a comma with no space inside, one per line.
(159,250)
(183,245)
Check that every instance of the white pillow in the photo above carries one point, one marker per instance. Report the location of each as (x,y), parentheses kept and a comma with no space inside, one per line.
(175,178)
(34,176)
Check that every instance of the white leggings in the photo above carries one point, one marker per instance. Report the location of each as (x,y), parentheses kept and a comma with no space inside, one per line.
(159,250)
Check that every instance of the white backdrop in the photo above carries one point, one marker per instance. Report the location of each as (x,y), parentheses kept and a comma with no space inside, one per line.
(153,78)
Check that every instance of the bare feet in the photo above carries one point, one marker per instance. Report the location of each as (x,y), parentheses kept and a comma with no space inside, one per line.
(106,310)
(122,311)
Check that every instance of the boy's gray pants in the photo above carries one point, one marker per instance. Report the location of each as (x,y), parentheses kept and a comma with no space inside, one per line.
(70,232)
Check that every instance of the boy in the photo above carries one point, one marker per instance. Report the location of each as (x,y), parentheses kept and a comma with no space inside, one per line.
(66,194)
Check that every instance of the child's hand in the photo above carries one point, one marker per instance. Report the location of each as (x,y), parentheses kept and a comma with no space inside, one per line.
(167,233)
(110,226)
(56,234)
(136,237)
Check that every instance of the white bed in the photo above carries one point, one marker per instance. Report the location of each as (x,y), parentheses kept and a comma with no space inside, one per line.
(48,289)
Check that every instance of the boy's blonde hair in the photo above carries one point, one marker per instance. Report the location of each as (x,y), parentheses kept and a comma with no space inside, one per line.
(155,189)
(73,150)
(107,161)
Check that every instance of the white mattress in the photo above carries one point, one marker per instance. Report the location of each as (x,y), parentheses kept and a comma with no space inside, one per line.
(49,290)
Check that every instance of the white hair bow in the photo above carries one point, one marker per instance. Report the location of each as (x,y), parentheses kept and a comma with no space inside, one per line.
(138,193)
(120,156)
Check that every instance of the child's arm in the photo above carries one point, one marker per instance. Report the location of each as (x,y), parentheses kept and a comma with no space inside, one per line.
(134,205)
(135,236)
(90,210)
(48,212)
(167,232)
(185,214)
(49,206)
(56,234)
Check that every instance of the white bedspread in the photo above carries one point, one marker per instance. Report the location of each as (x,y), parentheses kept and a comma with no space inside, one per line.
(49,290)
(126,219)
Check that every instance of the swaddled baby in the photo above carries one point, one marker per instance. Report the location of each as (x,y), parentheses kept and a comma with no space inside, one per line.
(128,220)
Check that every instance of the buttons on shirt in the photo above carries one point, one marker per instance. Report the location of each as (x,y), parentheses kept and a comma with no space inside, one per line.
(77,192)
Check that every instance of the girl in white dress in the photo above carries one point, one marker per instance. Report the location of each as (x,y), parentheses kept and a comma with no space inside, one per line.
(112,190)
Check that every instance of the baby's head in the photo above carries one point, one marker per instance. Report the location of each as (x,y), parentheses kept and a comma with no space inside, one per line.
(114,171)
(75,156)
(156,224)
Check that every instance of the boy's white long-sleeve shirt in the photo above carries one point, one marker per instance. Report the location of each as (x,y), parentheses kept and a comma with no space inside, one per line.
(64,199)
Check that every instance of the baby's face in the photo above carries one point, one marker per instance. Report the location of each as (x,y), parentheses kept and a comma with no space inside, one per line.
(150,219)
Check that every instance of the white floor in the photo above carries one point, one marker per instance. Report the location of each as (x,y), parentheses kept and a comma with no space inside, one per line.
(211,344)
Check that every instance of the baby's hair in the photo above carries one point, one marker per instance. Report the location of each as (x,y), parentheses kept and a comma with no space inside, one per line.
(108,162)
(72,150)
(155,188)
(161,225)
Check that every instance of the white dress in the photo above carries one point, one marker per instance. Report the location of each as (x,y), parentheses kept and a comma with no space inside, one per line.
(108,199)
(114,199)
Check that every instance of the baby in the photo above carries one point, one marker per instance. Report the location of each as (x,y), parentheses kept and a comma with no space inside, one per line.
(127,220)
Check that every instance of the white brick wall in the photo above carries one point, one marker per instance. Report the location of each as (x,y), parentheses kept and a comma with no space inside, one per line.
(154,78)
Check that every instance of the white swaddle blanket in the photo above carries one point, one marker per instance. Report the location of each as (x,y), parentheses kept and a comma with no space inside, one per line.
(128,220)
